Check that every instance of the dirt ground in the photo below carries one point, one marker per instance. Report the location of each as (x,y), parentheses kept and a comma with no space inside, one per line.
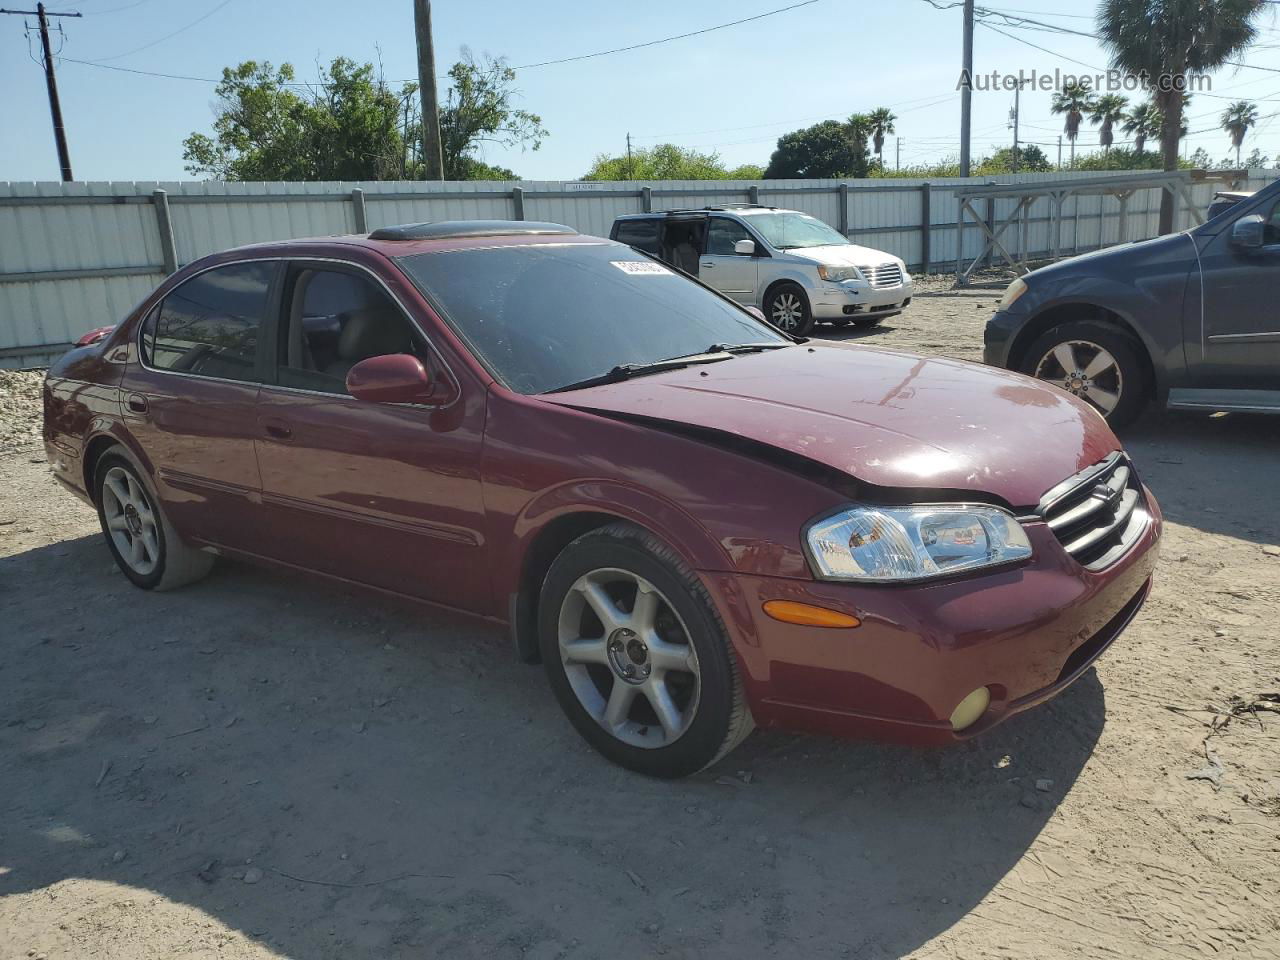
(264,766)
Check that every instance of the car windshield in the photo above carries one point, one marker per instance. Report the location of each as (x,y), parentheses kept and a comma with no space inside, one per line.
(544,316)
(790,231)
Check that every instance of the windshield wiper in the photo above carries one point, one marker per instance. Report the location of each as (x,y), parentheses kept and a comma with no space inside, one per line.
(745,347)
(625,371)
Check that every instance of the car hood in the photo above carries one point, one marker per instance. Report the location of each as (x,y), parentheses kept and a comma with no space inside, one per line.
(886,418)
(843,255)
(1118,258)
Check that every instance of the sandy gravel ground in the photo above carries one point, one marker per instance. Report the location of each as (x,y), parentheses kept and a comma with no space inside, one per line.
(263,766)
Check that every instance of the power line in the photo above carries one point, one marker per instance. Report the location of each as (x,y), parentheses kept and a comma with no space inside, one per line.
(654,43)
(167,36)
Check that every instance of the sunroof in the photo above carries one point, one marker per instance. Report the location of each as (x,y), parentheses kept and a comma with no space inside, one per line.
(468,228)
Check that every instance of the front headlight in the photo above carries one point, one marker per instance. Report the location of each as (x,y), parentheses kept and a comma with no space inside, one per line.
(838,274)
(1011,293)
(896,544)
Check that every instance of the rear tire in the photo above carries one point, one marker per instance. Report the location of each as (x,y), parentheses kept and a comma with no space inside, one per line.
(1105,367)
(140,537)
(787,308)
(637,656)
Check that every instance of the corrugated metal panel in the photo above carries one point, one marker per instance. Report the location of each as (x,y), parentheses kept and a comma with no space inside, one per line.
(104,237)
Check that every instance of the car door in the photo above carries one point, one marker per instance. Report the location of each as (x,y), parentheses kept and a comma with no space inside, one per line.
(1241,318)
(381,494)
(733,274)
(190,402)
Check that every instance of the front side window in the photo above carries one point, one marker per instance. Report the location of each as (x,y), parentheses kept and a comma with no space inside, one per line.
(641,234)
(793,231)
(210,324)
(1271,229)
(336,319)
(723,234)
(543,316)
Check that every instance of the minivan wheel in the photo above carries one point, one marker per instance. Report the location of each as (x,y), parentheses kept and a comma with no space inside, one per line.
(787,308)
(637,656)
(1094,362)
(143,542)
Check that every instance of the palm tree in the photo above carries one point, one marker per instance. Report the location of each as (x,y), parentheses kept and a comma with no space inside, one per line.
(881,120)
(1141,122)
(1162,41)
(1075,99)
(1236,120)
(1107,110)
(859,128)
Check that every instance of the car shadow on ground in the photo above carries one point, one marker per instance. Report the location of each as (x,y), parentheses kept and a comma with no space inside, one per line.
(403,785)
(1215,474)
(827,331)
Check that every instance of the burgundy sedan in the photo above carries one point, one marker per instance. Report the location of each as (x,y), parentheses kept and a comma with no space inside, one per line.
(696,523)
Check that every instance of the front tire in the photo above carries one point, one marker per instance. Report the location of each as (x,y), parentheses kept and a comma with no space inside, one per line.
(1094,362)
(787,308)
(143,543)
(637,656)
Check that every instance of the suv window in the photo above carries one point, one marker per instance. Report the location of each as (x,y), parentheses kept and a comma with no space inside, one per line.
(723,234)
(209,325)
(335,319)
(641,234)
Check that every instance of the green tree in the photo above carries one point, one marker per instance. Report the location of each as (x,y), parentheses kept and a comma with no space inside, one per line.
(666,161)
(1236,120)
(823,151)
(351,126)
(1027,159)
(1119,158)
(1142,122)
(1108,110)
(1161,41)
(881,120)
(1075,99)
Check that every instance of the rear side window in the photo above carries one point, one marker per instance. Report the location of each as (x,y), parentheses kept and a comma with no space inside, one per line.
(641,234)
(210,325)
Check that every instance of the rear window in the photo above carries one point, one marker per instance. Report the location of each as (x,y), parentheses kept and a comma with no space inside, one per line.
(210,324)
(641,234)
(543,316)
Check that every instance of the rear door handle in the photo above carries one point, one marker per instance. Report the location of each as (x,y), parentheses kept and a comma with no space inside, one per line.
(277,429)
(137,403)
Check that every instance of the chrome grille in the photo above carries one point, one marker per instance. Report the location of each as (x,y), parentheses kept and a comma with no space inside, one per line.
(1098,514)
(882,275)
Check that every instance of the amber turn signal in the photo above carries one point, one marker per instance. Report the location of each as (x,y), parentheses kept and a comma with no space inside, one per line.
(807,615)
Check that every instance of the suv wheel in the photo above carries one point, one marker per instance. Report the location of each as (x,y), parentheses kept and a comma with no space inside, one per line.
(1094,362)
(637,656)
(787,308)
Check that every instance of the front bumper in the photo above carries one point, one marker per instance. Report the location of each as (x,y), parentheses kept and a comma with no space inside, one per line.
(1025,634)
(997,337)
(857,298)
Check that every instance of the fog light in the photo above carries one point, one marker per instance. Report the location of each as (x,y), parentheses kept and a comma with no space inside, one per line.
(970,709)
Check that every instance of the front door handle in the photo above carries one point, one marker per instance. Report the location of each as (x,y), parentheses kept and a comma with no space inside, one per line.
(137,403)
(276,429)
(707,266)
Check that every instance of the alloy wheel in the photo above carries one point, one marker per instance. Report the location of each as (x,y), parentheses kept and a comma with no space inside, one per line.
(1086,370)
(787,312)
(131,521)
(628,658)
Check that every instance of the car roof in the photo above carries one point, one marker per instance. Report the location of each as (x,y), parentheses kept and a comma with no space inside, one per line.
(433,237)
(742,209)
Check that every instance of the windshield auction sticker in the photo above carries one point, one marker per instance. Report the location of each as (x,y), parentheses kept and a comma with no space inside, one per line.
(640,267)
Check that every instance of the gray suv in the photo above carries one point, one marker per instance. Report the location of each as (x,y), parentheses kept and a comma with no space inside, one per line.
(794,267)
(1191,319)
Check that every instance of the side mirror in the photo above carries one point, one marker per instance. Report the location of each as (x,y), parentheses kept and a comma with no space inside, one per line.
(745,248)
(393,378)
(1247,232)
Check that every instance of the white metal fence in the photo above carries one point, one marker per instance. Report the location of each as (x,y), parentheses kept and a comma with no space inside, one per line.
(78,255)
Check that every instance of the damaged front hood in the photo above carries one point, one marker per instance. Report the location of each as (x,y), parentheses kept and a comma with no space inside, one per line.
(886,418)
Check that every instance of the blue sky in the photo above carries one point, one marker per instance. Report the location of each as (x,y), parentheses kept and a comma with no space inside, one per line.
(733,91)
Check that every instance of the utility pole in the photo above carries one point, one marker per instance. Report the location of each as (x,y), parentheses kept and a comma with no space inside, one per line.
(1013,116)
(51,82)
(897,154)
(1059,151)
(631,171)
(432,156)
(966,89)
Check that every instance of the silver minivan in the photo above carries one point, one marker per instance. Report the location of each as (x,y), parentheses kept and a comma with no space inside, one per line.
(795,268)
